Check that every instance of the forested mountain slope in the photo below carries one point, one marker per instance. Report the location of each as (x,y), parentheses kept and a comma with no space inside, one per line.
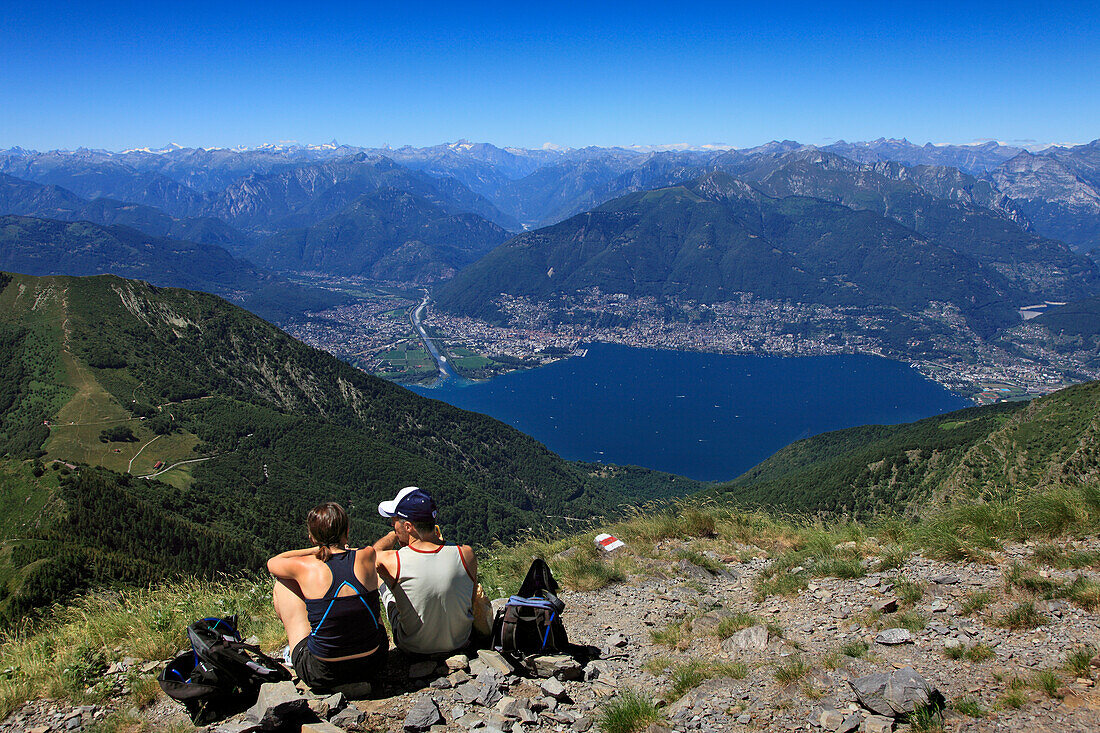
(48,247)
(252,428)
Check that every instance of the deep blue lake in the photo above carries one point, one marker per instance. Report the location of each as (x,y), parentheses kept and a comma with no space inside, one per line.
(706,416)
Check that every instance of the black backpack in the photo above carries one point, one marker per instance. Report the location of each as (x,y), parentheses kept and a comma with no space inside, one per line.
(530,622)
(221,675)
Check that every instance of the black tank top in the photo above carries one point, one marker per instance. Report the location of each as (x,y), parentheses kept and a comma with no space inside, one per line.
(344,625)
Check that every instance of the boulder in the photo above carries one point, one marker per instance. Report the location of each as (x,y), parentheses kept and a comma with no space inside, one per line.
(349,717)
(895,693)
(690,571)
(488,693)
(752,639)
(468,692)
(422,716)
(457,662)
(894,636)
(944,579)
(887,606)
(321,727)
(830,719)
(336,702)
(276,704)
(878,724)
(495,660)
(553,688)
(851,723)
(710,620)
(561,666)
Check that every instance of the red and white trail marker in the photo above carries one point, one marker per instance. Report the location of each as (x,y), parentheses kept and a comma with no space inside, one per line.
(607,543)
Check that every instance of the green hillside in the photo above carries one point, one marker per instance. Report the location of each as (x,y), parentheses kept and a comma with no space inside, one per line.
(1081,318)
(249,427)
(1007,452)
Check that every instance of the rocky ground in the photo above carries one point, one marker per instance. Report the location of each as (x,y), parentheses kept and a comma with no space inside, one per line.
(691,635)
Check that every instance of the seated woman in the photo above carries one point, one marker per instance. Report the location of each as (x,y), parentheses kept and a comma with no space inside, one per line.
(327,598)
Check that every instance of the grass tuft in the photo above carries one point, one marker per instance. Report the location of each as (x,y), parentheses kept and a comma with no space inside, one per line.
(892,557)
(1022,616)
(908,591)
(792,669)
(1085,592)
(926,719)
(912,620)
(676,634)
(954,652)
(1047,682)
(976,601)
(732,624)
(980,653)
(1078,662)
(700,560)
(970,707)
(627,712)
(856,649)
(691,674)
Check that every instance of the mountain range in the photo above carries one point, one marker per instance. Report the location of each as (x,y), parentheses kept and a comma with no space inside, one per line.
(532,187)
(717,236)
(422,215)
(384,235)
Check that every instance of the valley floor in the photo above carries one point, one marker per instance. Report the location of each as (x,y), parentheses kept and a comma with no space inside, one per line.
(1018,363)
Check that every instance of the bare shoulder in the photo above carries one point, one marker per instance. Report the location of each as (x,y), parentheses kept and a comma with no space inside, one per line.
(466,553)
(289,567)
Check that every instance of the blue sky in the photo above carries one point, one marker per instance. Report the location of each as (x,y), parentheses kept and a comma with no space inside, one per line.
(119,75)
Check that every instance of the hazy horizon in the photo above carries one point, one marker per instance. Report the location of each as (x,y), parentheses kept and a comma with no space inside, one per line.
(1024,143)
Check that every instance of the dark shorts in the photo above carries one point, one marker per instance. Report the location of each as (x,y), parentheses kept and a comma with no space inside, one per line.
(322,675)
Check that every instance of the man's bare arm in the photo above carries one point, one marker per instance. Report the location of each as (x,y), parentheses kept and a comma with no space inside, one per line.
(389,542)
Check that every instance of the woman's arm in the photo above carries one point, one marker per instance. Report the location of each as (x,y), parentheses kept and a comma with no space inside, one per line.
(286,564)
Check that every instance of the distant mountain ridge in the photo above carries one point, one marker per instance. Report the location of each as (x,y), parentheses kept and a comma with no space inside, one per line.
(26,198)
(43,247)
(384,235)
(718,235)
(289,186)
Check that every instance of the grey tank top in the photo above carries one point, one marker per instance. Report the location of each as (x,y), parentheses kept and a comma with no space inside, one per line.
(434,598)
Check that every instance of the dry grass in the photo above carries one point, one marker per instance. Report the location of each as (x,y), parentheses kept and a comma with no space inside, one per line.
(70,649)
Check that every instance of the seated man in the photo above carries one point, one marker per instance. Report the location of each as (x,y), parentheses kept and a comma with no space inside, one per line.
(327,598)
(429,586)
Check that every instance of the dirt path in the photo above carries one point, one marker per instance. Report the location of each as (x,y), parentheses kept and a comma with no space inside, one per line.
(130,466)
